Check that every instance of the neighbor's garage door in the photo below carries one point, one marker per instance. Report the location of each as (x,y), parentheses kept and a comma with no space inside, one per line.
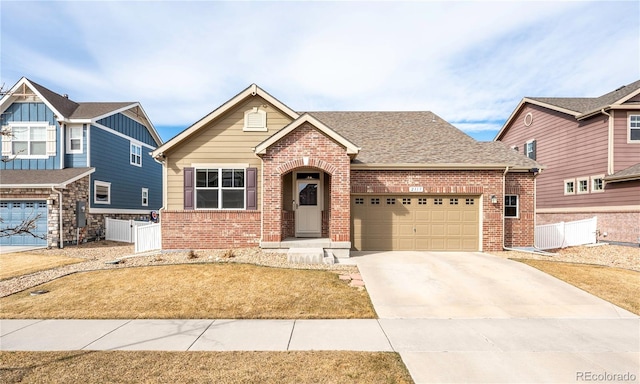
(16,213)
(430,223)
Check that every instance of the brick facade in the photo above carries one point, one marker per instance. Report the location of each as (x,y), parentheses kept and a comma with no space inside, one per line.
(621,227)
(517,233)
(520,231)
(288,155)
(210,229)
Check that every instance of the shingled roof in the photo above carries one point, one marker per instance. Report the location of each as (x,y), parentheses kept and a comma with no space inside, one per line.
(17,178)
(417,138)
(581,105)
(78,110)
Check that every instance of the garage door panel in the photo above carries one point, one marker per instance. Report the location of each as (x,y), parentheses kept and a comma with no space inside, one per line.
(470,216)
(15,213)
(439,216)
(415,223)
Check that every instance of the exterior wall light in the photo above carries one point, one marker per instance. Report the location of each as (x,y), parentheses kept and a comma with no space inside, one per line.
(494,199)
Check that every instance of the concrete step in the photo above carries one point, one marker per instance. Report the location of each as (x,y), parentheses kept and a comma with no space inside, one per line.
(306,255)
(306,243)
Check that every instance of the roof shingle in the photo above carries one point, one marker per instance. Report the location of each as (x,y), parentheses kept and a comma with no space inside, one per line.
(418,138)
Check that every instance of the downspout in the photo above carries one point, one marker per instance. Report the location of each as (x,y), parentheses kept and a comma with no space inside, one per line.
(504,182)
(609,144)
(61,241)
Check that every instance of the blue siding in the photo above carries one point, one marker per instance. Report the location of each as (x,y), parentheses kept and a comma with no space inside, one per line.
(32,112)
(129,127)
(76,160)
(110,157)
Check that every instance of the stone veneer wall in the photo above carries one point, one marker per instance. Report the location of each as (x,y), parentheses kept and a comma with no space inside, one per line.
(74,192)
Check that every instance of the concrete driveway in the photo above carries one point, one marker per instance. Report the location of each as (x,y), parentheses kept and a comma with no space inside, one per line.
(465,317)
(460,285)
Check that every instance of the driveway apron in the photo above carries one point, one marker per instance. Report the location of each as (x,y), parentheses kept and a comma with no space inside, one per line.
(465,317)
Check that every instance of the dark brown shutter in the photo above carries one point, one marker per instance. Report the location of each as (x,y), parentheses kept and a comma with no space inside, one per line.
(188,188)
(252,190)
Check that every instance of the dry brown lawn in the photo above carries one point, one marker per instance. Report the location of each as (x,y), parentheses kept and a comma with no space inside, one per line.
(194,291)
(202,367)
(617,286)
(23,263)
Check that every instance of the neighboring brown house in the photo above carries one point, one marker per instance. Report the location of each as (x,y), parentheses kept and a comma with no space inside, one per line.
(591,148)
(256,173)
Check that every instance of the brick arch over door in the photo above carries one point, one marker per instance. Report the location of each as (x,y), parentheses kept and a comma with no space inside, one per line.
(313,163)
(290,153)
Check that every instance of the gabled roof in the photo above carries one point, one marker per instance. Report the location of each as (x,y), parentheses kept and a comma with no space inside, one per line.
(382,139)
(250,91)
(418,139)
(30,178)
(351,148)
(581,107)
(67,110)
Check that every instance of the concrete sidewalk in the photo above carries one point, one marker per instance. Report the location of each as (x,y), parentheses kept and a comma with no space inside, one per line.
(434,350)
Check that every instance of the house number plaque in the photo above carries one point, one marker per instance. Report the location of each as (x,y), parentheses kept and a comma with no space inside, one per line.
(416,189)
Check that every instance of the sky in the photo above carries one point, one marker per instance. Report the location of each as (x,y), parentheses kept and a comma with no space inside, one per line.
(470,62)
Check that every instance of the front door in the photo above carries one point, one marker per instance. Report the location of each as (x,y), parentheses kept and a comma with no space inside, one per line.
(308,202)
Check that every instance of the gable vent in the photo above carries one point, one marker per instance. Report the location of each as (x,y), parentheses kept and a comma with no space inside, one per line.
(255,120)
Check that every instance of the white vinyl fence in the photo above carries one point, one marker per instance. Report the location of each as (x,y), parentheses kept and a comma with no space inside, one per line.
(122,230)
(148,238)
(561,235)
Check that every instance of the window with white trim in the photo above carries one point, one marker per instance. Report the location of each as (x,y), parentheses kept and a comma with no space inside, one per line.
(29,139)
(511,206)
(74,140)
(634,129)
(583,185)
(220,188)
(570,186)
(530,149)
(136,155)
(101,192)
(597,184)
(255,119)
(145,197)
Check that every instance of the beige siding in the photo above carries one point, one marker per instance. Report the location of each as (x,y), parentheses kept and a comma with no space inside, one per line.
(568,149)
(223,141)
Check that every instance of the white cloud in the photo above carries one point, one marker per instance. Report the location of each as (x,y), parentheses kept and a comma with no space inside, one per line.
(469,62)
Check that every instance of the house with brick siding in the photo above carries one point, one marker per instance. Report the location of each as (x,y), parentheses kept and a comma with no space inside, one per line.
(254,172)
(68,165)
(590,147)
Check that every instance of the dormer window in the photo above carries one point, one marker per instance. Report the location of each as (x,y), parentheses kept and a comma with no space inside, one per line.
(255,120)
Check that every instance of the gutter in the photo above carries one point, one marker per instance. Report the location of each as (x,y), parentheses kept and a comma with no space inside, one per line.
(60,205)
(610,167)
(504,181)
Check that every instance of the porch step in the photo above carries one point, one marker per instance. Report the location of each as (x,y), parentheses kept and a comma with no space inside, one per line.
(306,255)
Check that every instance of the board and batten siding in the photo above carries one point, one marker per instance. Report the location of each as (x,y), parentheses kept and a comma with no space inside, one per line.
(76,160)
(129,127)
(569,149)
(110,155)
(625,154)
(221,142)
(32,112)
